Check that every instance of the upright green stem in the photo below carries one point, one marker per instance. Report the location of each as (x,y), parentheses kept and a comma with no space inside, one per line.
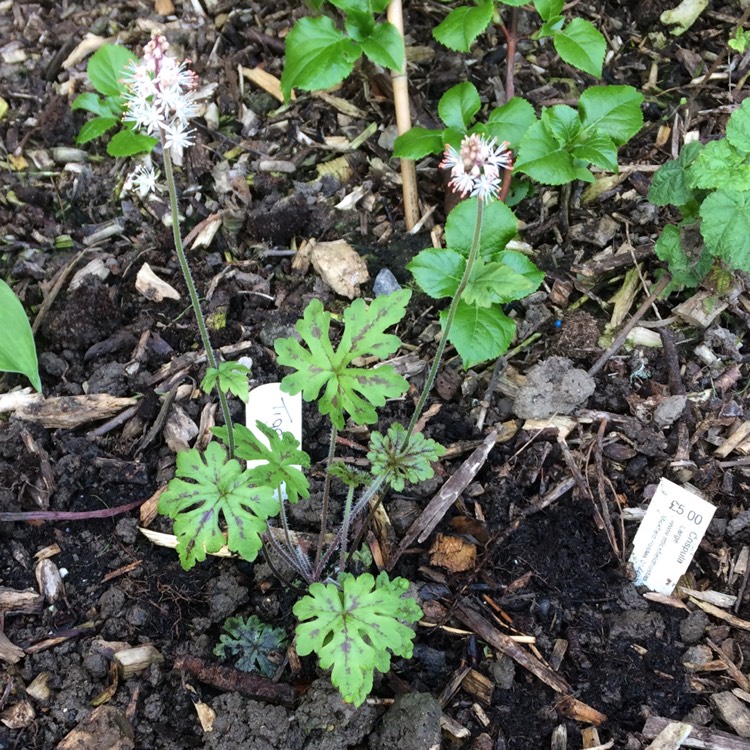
(326,498)
(449,318)
(193,293)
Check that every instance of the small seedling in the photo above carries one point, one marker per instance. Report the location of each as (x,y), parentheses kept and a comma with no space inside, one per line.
(255,645)
(107,70)
(319,55)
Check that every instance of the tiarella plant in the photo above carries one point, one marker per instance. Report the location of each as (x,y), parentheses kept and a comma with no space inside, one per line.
(714,233)
(106,71)
(577,41)
(254,646)
(17,348)
(319,54)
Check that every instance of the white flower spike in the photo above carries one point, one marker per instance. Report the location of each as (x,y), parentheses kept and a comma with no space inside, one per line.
(475,167)
(161,96)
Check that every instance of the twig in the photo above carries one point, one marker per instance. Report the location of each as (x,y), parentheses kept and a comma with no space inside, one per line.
(65,515)
(403,121)
(617,344)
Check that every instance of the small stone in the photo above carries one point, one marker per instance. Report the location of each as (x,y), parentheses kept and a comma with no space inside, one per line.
(411,723)
(385,283)
(669,410)
(693,627)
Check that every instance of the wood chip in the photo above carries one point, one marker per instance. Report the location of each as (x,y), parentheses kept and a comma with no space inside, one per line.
(712,597)
(671,737)
(738,436)
(699,737)
(9,652)
(722,615)
(270,84)
(733,712)
(67,412)
(152,287)
(20,601)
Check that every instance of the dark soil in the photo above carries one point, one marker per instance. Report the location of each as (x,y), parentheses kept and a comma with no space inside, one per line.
(553,576)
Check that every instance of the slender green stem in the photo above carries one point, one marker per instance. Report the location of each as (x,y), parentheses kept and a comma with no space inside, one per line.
(326,499)
(193,293)
(346,522)
(449,318)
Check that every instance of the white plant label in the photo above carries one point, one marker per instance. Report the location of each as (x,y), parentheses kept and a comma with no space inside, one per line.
(668,536)
(275,409)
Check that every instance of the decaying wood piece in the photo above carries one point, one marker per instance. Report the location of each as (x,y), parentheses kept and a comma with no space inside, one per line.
(65,412)
(733,711)
(671,737)
(23,601)
(700,310)
(446,496)
(9,652)
(233,680)
(699,737)
(104,727)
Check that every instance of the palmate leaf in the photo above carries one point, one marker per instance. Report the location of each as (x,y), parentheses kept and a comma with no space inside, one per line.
(218,490)
(231,377)
(345,390)
(281,458)
(355,628)
(400,461)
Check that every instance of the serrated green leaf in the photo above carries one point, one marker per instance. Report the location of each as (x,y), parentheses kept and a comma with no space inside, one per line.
(543,159)
(494,283)
(499,227)
(562,122)
(92,103)
(582,45)
(463,25)
(480,334)
(615,110)
(107,68)
(725,225)
(347,389)
(669,185)
(548,8)
(738,128)
(218,490)
(129,143)
(438,271)
(514,3)
(255,645)
(318,56)
(522,266)
(458,105)
(597,149)
(716,160)
(355,628)
(686,270)
(281,458)
(417,143)
(94,128)
(401,461)
(385,47)
(17,348)
(231,377)
(550,27)
(511,121)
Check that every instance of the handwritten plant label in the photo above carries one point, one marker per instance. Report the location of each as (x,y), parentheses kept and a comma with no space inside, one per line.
(276,409)
(668,536)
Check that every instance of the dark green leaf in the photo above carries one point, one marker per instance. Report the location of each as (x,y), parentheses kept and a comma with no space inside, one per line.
(548,8)
(725,225)
(480,334)
(511,121)
(438,271)
(499,227)
(615,110)
(91,102)
(462,26)
(108,67)
(458,105)
(669,185)
(562,123)
(542,158)
(417,143)
(94,128)
(385,47)
(128,143)
(597,149)
(580,44)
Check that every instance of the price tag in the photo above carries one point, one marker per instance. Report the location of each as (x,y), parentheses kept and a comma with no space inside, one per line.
(276,409)
(668,536)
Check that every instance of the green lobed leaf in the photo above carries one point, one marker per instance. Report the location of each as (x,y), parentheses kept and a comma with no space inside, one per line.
(549,8)
(542,158)
(318,56)
(725,225)
(480,334)
(385,47)
(687,270)
(281,458)
(355,628)
(401,461)
(738,128)
(614,110)
(17,348)
(359,24)
(598,149)
(231,377)
(562,123)
(92,103)
(669,185)
(582,45)
(438,271)
(255,645)
(463,25)
(94,128)
(108,67)
(510,121)
(715,161)
(417,143)
(210,489)
(129,143)
(499,227)
(319,368)
(458,105)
